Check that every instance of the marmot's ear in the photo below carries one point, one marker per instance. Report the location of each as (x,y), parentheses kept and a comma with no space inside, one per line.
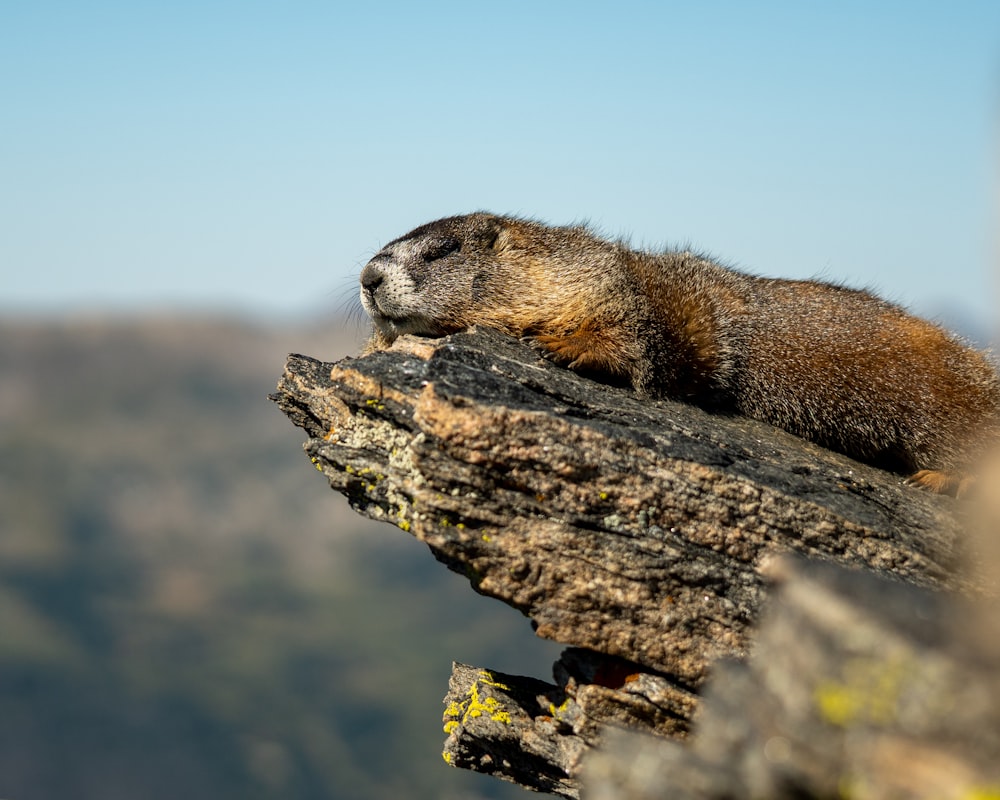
(503,239)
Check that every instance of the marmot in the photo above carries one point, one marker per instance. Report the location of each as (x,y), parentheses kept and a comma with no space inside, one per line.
(834,365)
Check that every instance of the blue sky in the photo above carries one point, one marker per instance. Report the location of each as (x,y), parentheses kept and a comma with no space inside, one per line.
(251,156)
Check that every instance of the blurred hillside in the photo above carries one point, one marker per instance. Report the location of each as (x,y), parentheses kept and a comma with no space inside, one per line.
(186,610)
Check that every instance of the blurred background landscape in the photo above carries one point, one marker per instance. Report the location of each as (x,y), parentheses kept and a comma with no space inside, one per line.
(186,609)
(188,192)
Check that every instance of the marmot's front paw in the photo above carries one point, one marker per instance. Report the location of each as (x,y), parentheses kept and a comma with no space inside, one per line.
(588,349)
(940,482)
(541,350)
(567,351)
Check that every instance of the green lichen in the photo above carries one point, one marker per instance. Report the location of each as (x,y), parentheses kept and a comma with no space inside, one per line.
(646,515)
(614,522)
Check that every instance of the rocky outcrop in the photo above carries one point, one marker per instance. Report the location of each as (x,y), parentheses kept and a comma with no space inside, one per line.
(639,533)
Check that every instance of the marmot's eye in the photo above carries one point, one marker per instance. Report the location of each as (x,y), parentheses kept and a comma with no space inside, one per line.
(439,248)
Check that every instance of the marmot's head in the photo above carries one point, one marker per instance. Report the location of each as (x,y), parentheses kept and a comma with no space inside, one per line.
(436,279)
(516,275)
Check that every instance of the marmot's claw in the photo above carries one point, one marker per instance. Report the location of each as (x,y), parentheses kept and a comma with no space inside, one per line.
(540,349)
(939,482)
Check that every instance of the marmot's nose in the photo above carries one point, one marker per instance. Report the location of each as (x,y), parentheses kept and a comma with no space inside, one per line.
(371,277)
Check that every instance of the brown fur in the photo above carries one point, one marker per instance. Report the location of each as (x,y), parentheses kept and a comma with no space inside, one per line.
(834,365)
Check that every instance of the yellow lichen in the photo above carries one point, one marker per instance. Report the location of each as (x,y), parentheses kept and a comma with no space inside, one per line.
(446,756)
(982,793)
(487,677)
(474,705)
(558,711)
(869,693)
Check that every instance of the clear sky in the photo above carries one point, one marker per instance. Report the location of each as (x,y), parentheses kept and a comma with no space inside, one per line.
(249,155)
